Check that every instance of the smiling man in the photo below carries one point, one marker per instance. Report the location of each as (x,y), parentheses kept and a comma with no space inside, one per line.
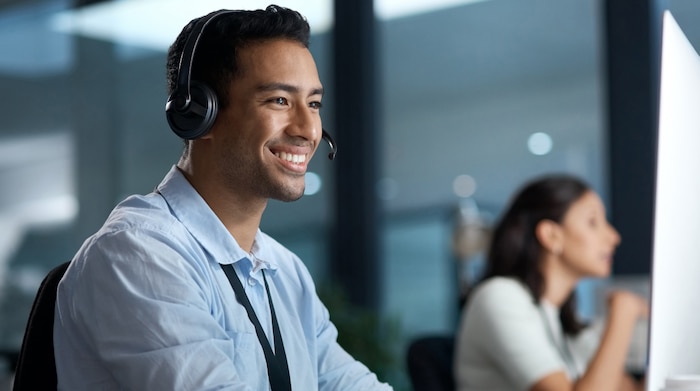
(179,289)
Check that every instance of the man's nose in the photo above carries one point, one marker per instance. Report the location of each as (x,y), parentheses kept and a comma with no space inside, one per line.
(305,123)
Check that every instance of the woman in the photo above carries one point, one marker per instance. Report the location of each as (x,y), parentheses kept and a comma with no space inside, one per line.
(519,330)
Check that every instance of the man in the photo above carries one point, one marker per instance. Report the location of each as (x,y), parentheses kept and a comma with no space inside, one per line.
(149,301)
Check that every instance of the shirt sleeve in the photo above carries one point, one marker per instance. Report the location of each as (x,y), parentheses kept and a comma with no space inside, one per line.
(142,310)
(585,345)
(337,369)
(511,333)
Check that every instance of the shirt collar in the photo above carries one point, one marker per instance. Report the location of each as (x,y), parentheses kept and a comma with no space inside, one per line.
(193,212)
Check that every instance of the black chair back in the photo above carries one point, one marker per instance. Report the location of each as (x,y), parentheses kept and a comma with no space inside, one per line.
(36,366)
(429,360)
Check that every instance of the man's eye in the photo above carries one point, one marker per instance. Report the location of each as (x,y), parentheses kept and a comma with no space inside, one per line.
(315,105)
(280,101)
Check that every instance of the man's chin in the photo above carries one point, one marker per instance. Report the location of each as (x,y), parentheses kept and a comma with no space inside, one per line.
(289,196)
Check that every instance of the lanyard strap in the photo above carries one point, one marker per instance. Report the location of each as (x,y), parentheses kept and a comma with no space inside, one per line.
(563,348)
(277,368)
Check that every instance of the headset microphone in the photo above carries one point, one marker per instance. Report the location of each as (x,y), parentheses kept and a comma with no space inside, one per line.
(334,148)
(192,107)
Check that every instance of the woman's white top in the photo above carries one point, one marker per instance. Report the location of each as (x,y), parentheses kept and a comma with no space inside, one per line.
(507,341)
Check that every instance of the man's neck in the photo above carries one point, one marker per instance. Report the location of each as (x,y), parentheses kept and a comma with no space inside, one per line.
(239,214)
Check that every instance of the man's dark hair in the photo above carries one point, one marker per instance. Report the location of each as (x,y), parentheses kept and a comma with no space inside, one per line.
(215,59)
(514,250)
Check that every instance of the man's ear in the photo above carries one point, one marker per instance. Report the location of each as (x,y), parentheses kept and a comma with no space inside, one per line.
(550,236)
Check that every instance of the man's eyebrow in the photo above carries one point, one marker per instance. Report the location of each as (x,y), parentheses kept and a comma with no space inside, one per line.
(287,87)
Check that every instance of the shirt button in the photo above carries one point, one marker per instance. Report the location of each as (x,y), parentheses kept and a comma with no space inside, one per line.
(251,281)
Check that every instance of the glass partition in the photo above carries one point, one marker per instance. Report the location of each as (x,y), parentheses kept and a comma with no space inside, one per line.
(477,97)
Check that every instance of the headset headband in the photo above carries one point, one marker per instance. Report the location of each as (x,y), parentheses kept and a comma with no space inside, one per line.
(192,107)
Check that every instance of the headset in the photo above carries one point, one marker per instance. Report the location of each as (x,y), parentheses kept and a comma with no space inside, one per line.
(192,107)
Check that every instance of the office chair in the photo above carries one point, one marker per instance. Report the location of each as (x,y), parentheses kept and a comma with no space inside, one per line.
(36,367)
(429,360)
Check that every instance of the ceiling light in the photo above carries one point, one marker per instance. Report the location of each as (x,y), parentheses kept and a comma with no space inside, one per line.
(313,183)
(391,9)
(464,186)
(155,23)
(539,143)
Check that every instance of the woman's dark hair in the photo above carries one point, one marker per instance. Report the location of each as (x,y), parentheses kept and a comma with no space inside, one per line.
(514,250)
(215,60)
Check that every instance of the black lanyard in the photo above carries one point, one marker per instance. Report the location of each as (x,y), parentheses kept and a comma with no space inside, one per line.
(277,368)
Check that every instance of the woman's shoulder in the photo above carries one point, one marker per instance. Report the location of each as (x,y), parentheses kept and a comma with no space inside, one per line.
(500,292)
(501,287)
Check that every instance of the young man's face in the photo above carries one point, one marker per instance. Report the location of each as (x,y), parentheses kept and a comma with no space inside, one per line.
(272,127)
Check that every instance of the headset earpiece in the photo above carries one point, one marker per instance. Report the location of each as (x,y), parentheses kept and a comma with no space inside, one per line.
(191,115)
(191,109)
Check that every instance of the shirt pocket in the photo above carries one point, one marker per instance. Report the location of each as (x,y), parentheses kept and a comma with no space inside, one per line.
(243,340)
(248,358)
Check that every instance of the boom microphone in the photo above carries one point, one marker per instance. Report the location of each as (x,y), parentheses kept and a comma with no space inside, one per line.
(334,149)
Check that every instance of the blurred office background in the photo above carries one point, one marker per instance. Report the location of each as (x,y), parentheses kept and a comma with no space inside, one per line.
(467,100)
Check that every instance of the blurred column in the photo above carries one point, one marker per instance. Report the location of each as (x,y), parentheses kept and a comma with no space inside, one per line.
(96,132)
(355,263)
(632,54)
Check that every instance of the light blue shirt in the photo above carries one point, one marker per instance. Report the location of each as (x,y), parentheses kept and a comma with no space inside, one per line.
(145,305)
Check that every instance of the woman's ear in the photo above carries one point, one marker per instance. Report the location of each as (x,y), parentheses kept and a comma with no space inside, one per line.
(550,236)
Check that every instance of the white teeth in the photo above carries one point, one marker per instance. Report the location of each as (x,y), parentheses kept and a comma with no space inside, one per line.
(291,157)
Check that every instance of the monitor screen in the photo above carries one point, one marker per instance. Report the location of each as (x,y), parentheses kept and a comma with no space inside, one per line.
(674,330)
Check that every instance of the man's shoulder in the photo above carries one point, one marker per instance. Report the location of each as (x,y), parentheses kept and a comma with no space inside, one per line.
(139,214)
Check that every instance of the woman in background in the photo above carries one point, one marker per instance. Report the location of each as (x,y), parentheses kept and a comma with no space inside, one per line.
(520,329)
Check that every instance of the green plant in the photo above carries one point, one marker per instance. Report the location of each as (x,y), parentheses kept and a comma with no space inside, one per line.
(370,338)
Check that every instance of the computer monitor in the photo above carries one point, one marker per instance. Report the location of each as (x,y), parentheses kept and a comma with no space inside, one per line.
(674,330)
